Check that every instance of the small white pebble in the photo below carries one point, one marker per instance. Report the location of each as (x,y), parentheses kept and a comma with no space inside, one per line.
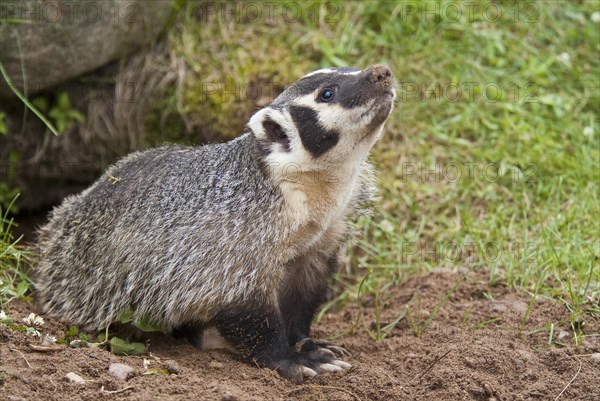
(79,344)
(74,378)
(120,371)
(215,365)
(562,335)
(596,357)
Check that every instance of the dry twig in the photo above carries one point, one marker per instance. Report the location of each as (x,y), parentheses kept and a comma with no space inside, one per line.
(23,356)
(115,391)
(430,367)
(569,383)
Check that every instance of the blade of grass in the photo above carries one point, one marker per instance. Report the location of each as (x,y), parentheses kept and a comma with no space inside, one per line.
(26,101)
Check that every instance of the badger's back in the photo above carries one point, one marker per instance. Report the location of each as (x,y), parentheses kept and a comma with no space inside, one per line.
(171,232)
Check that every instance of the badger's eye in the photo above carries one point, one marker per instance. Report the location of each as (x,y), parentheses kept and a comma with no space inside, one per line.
(327,95)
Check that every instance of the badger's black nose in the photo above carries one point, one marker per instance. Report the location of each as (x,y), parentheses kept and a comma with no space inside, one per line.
(380,73)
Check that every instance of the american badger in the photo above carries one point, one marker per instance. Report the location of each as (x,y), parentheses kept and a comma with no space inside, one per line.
(237,239)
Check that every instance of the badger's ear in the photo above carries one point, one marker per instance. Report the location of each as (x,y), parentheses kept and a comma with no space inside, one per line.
(275,133)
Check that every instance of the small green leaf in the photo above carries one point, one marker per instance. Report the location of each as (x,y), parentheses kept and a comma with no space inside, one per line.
(76,115)
(17,327)
(63,101)
(22,288)
(72,332)
(3,128)
(126,315)
(155,371)
(122,347)
(41,103)
(147,325)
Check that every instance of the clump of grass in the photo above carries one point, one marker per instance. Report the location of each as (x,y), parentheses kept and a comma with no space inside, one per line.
(15,263)
(419,325)
(376,331)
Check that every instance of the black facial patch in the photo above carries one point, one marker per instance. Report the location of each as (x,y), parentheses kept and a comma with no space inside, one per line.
(276,134)
(314,137)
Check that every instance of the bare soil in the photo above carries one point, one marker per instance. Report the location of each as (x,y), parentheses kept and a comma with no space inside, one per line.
(473,349)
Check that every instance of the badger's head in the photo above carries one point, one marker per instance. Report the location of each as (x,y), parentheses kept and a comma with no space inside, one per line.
(330,117)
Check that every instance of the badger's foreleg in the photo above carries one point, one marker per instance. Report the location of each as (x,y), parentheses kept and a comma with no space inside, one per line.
(259,334)
(305,290)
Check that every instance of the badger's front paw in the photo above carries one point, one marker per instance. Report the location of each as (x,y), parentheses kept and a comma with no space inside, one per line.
(302,365)
(308,345)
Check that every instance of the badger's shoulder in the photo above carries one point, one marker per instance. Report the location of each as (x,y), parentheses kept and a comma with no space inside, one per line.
(170,175)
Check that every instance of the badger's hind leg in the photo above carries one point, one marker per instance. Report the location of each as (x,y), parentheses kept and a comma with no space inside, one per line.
(259,334)
(202,336)
(192,332)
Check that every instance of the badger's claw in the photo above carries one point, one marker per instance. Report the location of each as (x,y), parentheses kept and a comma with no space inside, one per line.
(302,365)
(330,367)
(324,348)
(308,372)
(342,364)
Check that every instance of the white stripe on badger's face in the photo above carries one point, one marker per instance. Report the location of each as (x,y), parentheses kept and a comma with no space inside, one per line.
(332,71)
(280,161)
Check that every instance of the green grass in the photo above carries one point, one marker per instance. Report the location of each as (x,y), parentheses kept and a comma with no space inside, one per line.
(14,263)
(526,205)
(524,132)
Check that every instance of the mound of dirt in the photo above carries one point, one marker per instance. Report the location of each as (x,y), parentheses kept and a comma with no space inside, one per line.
(477,347)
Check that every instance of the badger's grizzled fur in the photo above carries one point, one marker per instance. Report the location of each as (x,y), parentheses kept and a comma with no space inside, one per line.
(237,239)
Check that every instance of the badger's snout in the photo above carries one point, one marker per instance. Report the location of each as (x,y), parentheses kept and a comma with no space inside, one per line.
(379,76)
(380,73)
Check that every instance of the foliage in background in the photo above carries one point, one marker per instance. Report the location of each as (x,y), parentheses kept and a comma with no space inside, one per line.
(15,263)
(7,192)
(62,113)
(3,129)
